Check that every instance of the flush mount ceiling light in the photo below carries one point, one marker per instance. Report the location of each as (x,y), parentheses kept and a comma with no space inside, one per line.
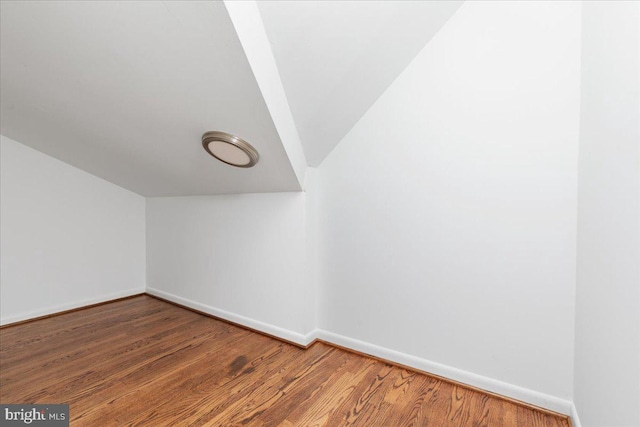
(230,149)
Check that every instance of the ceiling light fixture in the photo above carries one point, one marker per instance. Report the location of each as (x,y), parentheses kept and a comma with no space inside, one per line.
(230,149)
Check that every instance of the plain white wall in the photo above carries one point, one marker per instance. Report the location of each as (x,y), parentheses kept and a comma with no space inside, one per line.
(239,254)
(607,345)
(313,244)
(448,213)
(68,238)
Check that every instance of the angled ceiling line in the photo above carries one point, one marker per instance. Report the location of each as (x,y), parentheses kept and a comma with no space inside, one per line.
(125,90)
(337,58)
(247,22)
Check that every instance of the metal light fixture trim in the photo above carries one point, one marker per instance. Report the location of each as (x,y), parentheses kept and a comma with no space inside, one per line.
(235,142)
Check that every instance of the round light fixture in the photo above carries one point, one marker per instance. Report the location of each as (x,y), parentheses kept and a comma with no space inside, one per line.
(230,149)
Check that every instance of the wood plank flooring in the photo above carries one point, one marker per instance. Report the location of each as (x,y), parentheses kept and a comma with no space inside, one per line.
(143,362)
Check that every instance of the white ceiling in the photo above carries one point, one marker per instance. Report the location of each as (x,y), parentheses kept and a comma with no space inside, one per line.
(125,89)
(337,57)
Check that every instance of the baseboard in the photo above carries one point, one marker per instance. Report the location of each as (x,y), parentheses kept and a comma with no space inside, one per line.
(516,393)
(502,389)
(64,308)
(296,338)
(575,420)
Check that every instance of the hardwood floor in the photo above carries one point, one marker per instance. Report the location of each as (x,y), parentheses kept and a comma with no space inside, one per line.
(144,362)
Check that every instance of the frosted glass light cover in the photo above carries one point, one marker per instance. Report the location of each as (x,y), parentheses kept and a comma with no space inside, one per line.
(229,153)
(230,149)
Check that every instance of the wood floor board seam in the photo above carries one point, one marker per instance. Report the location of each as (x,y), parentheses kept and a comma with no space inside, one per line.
(399,365)
(330,383)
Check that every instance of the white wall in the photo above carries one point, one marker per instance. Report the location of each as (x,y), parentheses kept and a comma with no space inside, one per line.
(607,346)
(313,246)
(241,257)
(448,213)
(68,238)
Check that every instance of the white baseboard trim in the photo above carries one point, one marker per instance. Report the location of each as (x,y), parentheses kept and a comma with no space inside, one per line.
(285,334)
(541,400)
(505,389)
(575,420)
(311,337)
(7,320)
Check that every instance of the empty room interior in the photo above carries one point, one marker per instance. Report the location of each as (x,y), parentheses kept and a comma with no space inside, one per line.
(320,213)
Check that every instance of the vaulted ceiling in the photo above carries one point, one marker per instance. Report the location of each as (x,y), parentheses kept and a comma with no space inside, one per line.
(337,57)
(124,90)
